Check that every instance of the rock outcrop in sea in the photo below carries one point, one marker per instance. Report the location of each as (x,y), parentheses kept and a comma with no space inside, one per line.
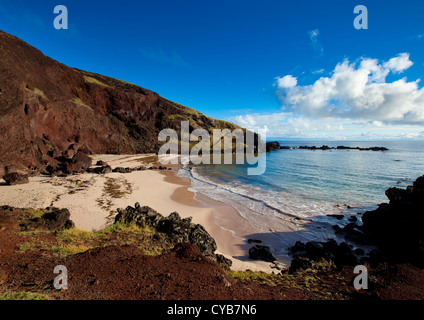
(394,228)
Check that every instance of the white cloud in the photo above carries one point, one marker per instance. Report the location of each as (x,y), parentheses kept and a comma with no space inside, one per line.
(286,82)
(399,64)
(319,71)
(357,91)
(288,125)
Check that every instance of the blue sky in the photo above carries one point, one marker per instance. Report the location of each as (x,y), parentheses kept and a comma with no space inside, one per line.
(296,68)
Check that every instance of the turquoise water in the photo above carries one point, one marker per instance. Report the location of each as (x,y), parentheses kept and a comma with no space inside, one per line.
(309,183)
(291,200)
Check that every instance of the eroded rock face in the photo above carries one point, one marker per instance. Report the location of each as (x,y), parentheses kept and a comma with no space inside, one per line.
(46,108)
(175,229)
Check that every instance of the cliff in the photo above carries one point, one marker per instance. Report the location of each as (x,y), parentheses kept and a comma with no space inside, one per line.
(47,107)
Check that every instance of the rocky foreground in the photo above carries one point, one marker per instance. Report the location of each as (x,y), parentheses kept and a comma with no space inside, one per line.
(145,255)
(395,229)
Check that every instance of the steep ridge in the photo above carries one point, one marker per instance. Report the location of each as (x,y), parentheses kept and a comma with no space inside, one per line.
(46,107)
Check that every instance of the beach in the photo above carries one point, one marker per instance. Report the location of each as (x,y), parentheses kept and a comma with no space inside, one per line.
(93,199)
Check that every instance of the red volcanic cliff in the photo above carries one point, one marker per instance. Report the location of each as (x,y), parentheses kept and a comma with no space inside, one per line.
(45,107)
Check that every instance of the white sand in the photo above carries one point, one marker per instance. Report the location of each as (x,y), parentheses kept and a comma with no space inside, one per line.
(93,199)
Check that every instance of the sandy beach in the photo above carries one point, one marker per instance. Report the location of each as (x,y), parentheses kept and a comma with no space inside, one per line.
(93,199)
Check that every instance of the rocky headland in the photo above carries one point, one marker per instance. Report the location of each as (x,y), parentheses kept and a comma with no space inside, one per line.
(395,229)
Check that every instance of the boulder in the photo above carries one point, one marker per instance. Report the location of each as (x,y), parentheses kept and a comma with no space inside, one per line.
(314,251)
(56,219)
(223,261)
(16,178)
(100,170)
(300,263)
(79,163)
(122,170)
(353,219)
(298,247)
(261,253)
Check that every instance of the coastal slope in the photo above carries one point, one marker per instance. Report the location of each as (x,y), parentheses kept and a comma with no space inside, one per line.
(47,107)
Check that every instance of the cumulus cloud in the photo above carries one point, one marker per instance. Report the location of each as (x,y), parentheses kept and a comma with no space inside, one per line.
(291,126)
(286,82)
(357,90)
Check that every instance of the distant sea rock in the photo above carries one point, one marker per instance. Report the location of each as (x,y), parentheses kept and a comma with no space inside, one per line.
(272,146)
(275,145)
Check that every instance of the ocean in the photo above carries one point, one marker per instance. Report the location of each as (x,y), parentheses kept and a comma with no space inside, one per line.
(311,184)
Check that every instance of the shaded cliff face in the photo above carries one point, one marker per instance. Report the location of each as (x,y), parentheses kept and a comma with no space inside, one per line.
(46,107)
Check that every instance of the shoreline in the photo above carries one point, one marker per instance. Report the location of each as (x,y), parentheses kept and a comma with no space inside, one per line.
(93,199)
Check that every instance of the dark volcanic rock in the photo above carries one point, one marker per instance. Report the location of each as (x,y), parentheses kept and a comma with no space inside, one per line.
(253,241)
(272,146)
(261,253)
(201,238)
(397,228)
(173,227)
(122,170)
(300,263)
(100,170)
(223,261)
(56,219)
(304,255)
(337,216)
(353,219)
(79,163)
(16,178)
